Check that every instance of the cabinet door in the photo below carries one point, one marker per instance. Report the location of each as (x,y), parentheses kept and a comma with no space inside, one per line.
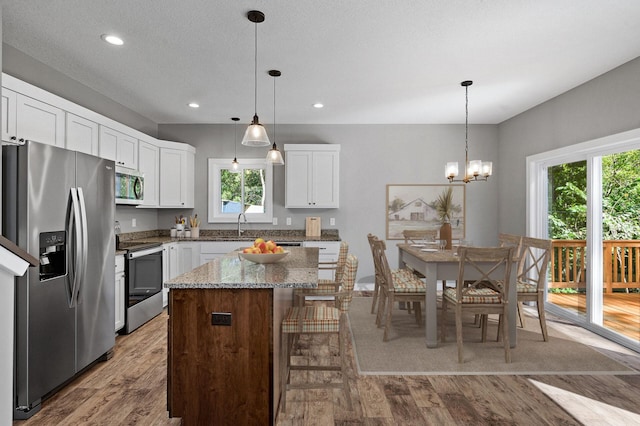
(82,135)
(298,184)
(188,256)
(119,294)
(173,163)
(9,98)
(149,164)
(173,261)
(188,180)
(127,151)
(108,143)
(165,273)
(39,122)
(121,148)
(325,172)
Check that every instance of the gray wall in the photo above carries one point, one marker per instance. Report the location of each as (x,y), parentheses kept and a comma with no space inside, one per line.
(606,105)
(371,157)
(26,68)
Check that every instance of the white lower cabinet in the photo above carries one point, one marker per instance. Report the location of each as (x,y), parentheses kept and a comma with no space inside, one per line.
(188,256)
(178,258)
(214,249)
(329,252)
(119,299)
(169,267)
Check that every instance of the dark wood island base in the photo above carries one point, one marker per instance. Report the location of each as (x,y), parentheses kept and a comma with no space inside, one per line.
(221,374)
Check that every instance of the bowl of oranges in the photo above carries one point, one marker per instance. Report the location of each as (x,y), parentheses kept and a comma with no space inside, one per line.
(263,252)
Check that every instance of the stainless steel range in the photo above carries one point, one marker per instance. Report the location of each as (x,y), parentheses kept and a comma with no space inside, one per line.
(143,288)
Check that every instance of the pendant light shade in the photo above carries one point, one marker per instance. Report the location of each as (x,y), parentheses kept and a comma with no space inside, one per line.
(474,170)
(235,166)
(256,134)
(274,156)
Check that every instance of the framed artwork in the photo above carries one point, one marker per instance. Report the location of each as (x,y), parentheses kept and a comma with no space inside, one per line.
(414,206)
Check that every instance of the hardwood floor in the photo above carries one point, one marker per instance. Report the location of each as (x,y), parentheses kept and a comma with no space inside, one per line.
(131,389)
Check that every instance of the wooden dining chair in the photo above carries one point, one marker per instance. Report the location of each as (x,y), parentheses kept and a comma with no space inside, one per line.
(415,236)
(399,285)
(377,279)
(482,288)
(532,275)
(326,287)
(319,319)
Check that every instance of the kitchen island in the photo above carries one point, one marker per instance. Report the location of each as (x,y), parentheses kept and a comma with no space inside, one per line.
(224,337)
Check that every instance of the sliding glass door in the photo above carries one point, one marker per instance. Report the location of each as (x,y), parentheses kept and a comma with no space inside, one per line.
(586,198)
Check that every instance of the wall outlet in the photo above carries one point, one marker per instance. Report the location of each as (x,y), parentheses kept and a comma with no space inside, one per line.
(275,220)
(289,221)
(221,318)
(133,223)
(332,221)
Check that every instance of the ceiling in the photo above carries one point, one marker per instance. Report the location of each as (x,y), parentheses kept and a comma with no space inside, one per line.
(383,62)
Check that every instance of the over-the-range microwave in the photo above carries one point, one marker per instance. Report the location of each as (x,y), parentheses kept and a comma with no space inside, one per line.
(129,186)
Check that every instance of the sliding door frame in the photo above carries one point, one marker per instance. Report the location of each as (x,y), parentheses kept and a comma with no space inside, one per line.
(537,217)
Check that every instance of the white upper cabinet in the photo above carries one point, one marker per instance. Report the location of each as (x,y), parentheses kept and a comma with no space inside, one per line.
(149,164)
(25,118)
(82,135)
(312,176)
(119,147)
(9,98)
(177,167)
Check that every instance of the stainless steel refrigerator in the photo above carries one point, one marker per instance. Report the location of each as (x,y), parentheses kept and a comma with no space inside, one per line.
(59,206)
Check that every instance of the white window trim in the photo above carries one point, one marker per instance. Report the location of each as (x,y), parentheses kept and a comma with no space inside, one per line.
(215,215)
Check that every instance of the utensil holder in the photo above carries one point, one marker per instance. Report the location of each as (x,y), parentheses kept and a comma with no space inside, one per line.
(195,232)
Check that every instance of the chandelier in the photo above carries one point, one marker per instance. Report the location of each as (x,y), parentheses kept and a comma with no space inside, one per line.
(474,170)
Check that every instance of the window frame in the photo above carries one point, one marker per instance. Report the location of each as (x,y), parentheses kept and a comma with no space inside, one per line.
(214,203)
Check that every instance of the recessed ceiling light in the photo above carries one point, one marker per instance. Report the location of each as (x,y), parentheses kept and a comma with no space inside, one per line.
(194,105)
(111,39)
(318,105)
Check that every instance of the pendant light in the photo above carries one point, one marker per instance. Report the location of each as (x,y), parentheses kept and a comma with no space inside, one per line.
(256,134)
(235,166)
(274,156)
(474,170)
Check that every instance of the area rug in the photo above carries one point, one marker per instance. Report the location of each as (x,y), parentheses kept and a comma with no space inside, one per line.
(405,351)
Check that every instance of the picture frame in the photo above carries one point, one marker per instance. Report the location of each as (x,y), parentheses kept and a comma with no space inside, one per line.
(414,206)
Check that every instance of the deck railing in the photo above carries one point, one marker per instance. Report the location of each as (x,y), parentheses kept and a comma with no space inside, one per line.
(621,264)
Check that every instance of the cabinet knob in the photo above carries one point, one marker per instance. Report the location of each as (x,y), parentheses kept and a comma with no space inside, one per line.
(13,138)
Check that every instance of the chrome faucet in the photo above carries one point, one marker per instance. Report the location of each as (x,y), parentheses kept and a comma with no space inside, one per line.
(240,231)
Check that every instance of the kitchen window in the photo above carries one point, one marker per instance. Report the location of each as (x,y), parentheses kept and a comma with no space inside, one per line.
(248,191)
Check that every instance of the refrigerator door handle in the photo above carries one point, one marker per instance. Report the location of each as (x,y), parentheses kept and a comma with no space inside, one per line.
(74,238)
(84,244)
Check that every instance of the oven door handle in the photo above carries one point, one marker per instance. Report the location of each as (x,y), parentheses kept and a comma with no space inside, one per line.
(145,252)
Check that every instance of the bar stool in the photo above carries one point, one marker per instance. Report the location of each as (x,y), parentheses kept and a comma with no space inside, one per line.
(319,319)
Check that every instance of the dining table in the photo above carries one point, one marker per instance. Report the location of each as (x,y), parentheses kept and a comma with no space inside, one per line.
(437,265)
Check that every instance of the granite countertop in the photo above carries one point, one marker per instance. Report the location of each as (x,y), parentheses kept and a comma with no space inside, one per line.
(298,270)
(278,235)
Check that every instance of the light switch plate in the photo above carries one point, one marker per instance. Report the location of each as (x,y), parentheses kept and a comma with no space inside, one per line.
(275,221)
(332,221)
(133,223)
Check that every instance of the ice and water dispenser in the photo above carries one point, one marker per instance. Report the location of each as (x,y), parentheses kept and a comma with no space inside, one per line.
(53,254)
